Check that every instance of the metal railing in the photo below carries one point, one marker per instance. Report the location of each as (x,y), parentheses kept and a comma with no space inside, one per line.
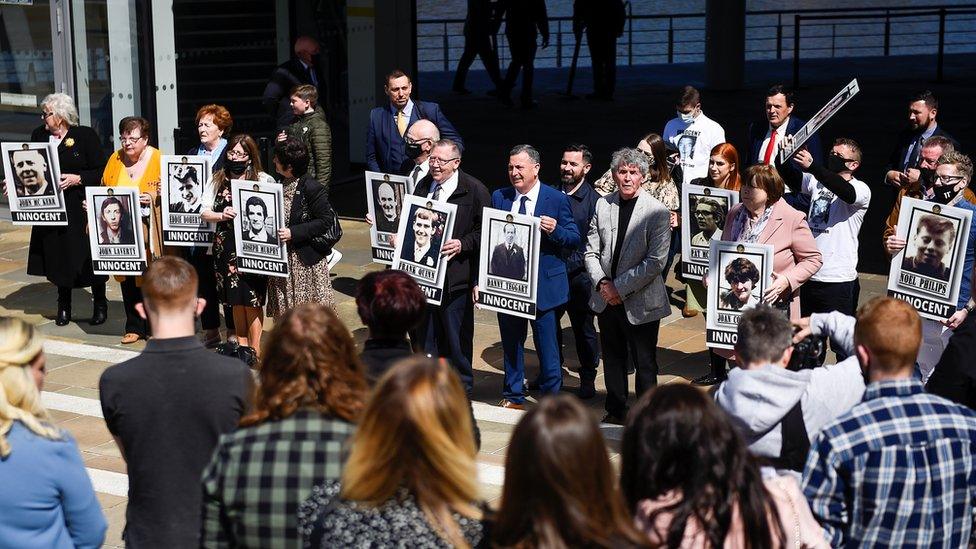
(770,34)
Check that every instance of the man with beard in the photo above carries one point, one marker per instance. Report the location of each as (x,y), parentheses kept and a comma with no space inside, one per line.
(257,215)
(115,223)
(188,185)
(386,199)
(575,164)
(742,276)
(30,167)
(904,164)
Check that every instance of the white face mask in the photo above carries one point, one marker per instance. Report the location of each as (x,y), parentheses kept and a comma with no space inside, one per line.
(687,118)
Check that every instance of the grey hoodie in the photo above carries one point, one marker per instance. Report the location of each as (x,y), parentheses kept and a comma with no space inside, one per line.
(757,399)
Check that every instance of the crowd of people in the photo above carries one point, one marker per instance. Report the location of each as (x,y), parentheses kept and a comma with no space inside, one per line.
(322,444)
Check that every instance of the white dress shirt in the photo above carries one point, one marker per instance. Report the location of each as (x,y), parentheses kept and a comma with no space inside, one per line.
(533,195)
(447,188)
(780,134)
(417,173)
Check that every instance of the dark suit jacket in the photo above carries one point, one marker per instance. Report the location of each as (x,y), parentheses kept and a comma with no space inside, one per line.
(904,141)
(470,197)
(523,18)
(384,145)
(276,98)
(553,283)
(583,204)
(311,216)
(757,132)
(507,264)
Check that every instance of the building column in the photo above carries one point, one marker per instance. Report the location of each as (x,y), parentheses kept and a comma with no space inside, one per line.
(725,43)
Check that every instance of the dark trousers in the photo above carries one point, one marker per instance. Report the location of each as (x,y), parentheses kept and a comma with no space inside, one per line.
(673,250)
(448,331)
(132,294)
(581,319)
(523,59)
(827,297)
(603,53)
(97,291)
(618,339)
(207,289)
(513,331)
(475,45)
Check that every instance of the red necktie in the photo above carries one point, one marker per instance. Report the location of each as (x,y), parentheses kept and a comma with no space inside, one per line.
(769,147)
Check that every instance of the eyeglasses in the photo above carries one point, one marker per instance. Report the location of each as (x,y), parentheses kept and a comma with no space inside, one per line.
(434,161)
(949,179)
(45,115)
(237,155)
(125,140)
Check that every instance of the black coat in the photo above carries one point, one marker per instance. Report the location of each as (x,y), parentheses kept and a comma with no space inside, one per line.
(905,139)
(62,254)
(471,196)
(277,94)
(311,216)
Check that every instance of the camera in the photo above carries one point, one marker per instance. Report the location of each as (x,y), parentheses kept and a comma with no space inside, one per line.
(807,353)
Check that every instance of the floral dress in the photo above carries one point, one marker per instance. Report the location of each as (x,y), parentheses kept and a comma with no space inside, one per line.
(234,288)
(304,284)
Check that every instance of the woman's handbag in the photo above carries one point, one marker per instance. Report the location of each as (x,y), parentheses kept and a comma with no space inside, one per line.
(323,243)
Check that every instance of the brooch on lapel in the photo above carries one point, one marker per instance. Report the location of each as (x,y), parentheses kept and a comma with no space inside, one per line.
(304,129)
(69,142)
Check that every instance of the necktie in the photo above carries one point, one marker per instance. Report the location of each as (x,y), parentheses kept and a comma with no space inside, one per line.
(916,151)
(415,175)
(312,78)
(436,195)
(401,121)
(524,199)
(769,148)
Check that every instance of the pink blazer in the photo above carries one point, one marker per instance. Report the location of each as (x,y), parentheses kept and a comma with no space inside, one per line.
(796,255)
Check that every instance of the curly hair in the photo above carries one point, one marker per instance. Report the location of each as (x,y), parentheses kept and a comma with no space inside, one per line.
(678,441)
(221,116)
(310,361)
(741,270)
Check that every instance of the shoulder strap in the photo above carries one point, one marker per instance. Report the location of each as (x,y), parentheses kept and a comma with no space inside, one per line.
(796,443)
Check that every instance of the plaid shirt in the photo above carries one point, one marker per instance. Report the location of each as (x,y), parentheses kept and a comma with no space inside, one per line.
(898,470)
(259,475)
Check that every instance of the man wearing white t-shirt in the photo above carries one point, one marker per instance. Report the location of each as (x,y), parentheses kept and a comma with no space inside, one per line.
(693,134)
(838,202)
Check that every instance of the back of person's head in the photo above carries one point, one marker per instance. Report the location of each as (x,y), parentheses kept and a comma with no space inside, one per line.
(310,361)
(560,489)
(416,433)
(889,332)
(292,154)
(389,303)
(20,345)
(764,336)
(689,96)
(678,443)
(169,286)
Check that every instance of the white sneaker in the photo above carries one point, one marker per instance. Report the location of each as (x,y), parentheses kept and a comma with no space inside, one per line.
(333,258)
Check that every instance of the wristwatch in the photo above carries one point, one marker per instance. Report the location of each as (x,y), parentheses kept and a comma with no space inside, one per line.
(970,307)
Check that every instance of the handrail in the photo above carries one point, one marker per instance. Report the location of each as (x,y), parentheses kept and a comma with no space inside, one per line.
(680,37)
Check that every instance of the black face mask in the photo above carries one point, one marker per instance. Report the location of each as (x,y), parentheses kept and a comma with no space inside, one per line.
(413,150)
(836,164)
(235,166)
(926,177)
(944,194)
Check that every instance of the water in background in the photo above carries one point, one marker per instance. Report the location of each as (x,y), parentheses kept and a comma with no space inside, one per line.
(647,41)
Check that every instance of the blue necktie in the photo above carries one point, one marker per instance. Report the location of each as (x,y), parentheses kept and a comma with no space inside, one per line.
(522,205)
(436,194)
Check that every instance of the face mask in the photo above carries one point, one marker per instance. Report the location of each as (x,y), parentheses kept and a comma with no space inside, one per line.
(944,194)
(926,176)
(235,166)
(836,164)
(687,118)
(413,150)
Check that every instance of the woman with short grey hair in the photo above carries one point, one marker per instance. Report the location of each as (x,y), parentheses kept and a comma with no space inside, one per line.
(61,254)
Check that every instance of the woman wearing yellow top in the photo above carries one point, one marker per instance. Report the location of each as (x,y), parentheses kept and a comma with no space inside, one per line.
(136,164)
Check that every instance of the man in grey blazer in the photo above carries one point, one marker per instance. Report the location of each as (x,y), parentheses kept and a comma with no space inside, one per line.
(626,248)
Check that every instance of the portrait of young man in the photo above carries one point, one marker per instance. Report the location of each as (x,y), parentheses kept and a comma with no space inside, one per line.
(188,198)
(508,258)
(114,223)
(258,228)
(934,238)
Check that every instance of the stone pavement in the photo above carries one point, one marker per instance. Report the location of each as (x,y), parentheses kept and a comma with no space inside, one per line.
(77,354)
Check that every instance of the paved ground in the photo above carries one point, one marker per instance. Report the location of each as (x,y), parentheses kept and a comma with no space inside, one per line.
(78,353)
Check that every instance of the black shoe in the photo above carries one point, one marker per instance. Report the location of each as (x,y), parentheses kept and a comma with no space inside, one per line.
(64,316)
(533,385)
(612,419)
(99,313)
(586,390)
(709,379)
(228,348)
(248,356)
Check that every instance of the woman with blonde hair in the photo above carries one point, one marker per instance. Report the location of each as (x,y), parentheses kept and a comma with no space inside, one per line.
(411,472)
(312,392)
(48,499)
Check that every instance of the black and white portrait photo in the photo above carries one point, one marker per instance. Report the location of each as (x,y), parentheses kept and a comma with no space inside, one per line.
(703,213)
(930,245)
(686,146)
(259,223)
(388,197)
(32,184)
(185,191)
(425,232)
(508,258)
(740,287)
(819,212)
(186,188)
(424,225)
(115,223)
(384,203)
(32,173)
(738,274)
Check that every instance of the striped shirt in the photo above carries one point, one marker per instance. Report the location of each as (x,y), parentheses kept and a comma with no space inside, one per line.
(895,471)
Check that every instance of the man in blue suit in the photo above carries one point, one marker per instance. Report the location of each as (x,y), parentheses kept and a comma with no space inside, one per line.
(385,146)
(765,140)
(528,195)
